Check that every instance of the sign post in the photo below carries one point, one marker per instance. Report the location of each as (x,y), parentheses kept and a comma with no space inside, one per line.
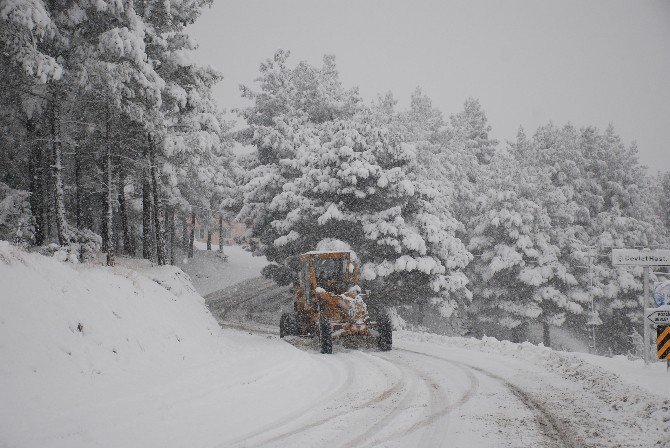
(645,302)
(645,258)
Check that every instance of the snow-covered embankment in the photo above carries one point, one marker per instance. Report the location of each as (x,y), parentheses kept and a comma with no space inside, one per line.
(123,357)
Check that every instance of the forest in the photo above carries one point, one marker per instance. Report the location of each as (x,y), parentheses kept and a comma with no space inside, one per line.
(111,143)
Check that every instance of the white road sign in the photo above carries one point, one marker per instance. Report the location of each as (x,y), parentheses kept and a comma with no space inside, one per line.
(658,316)
(636,257)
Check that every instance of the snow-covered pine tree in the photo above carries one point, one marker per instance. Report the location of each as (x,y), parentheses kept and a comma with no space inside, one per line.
(355,185)
(461,151)
(624,219)
(604,184)
(421,122)
(519,275)
(120,81)
(439,168)
(27,29)
(471,126)
(663,193)
(193,154)
(289,101)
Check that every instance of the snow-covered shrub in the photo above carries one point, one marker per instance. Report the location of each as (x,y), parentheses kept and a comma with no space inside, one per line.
(17,223)
(83,247)
(87,243)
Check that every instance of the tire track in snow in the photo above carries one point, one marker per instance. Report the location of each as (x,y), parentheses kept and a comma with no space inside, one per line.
(401,392)
(400,405)
(547,423)
(242,440)
(366,440)
(398,387)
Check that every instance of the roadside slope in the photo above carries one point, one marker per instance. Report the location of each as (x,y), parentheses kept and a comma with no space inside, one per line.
(130,356)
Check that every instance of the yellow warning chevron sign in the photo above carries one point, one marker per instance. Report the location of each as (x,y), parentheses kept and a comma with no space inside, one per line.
(663,342)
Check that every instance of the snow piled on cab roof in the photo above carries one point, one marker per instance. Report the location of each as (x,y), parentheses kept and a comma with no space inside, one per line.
(329,245)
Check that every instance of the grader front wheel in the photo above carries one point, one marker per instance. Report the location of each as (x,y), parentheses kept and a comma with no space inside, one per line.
(325,335)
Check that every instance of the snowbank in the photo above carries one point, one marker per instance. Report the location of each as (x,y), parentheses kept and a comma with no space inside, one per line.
(120,357)
(625,394)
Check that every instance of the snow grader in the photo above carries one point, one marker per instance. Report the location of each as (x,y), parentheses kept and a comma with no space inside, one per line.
(329,304)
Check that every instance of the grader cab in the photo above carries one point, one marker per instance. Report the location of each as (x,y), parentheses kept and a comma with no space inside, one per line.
(329,304)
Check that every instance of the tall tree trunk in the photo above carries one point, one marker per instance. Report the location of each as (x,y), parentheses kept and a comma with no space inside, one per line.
(191,240)
(420,310)
(147,243)
(220,234)
(103,211)
(57,170)
(109,192)
(546,334)
(209,239)
(158,211)
(103,222)
(47,193)
(184,234)
(128,248)
(173,235)
(36,183)
(78,188)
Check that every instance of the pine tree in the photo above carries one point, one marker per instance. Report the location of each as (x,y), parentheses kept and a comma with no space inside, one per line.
(354,185)
(288,102)
(471,127)
(606,208)
(520,277)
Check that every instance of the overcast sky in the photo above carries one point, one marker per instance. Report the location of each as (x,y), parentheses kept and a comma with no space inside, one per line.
(529,62)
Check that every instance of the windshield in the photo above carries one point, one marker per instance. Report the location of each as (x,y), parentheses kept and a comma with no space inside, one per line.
(328,270)
(329,266)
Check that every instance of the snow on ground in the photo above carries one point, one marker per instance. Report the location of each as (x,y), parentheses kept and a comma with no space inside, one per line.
(209,272)
(489,392)
(601,401)
(149,367)
(130,357)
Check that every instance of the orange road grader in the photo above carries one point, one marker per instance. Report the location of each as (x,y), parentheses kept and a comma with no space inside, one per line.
(329,305)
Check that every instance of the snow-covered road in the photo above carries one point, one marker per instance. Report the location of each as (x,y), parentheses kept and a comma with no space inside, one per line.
(431,390)
(426,393)
(417,395)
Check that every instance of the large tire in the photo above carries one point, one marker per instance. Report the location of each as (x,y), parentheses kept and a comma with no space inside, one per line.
(288,325)
(325,335)
(385,341)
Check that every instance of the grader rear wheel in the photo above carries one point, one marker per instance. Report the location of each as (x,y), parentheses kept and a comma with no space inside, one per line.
(288,325)
(325,335)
